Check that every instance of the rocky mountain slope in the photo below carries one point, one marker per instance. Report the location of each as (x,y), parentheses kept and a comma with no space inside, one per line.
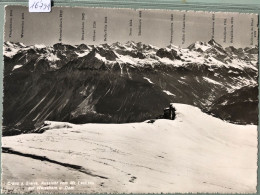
(245,98)
(118,83)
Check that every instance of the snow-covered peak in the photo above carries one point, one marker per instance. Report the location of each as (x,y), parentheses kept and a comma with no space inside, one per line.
(130,45)
(214,43)
(11,49)
(172,46)
(39,46)
(9,44)
(117,45)
(200,46)
(104,46)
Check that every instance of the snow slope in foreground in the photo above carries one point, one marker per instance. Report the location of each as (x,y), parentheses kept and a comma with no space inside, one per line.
(194,153)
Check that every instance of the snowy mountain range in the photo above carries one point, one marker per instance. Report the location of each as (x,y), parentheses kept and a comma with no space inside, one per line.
(128,82)
(136,54)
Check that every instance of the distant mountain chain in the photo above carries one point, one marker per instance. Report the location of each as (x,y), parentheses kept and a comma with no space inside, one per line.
(129,82)
(135,54)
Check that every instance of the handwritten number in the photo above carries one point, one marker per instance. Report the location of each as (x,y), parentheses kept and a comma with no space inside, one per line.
(40,5)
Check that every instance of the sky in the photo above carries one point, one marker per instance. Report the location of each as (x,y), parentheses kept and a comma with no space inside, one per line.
(76,25)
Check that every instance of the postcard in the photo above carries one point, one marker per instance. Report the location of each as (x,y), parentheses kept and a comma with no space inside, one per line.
(105,100)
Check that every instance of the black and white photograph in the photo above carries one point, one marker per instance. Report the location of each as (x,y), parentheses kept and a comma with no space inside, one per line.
(106,100)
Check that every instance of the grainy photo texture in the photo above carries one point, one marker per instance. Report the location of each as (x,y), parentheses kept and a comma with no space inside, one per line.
(100,100)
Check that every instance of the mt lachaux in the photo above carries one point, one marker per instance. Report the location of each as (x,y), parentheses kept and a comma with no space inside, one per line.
(121,83)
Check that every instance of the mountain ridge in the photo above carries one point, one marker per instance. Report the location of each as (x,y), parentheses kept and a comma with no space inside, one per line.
(117,83)
(117,51)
